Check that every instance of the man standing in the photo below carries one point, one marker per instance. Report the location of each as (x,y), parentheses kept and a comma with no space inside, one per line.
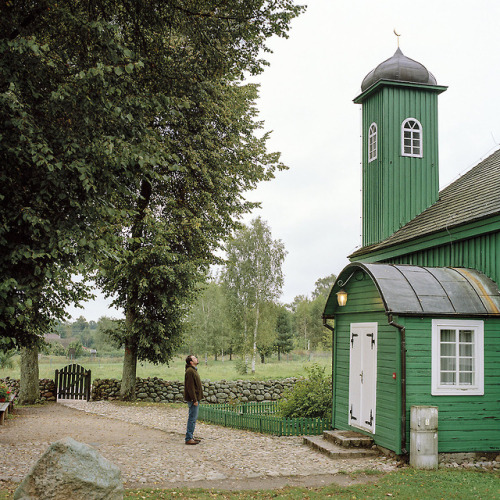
(193,393)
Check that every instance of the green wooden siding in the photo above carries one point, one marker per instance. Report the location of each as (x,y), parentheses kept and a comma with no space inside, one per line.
(481,253)
(364,305)
(466,423)
(397,188)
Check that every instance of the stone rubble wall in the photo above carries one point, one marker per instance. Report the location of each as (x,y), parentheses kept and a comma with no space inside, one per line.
(164,391)
(47,387)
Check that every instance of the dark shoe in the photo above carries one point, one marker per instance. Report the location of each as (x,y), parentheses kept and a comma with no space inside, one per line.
(192,441)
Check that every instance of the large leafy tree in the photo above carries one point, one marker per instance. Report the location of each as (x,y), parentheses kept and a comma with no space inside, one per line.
(106,105)
(209,328)
(253,279)
(182,209)
(74,127)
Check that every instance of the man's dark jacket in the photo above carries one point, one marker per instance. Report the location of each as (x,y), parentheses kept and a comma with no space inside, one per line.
(193,390)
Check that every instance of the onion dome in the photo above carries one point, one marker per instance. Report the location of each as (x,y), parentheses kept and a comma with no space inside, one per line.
(399,68)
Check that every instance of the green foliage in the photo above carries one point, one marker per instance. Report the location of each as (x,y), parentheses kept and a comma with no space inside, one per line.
(57,349)
(323,286)
(284,341)
(308,326)
(77,346)
(6,359)
(310,397)
(253,278)
(241,367)
(208,329)
(102,102)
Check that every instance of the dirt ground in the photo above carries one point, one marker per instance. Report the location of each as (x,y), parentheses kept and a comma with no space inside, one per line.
(133,448)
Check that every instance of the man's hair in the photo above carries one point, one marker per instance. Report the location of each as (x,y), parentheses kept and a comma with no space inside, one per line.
(189,359)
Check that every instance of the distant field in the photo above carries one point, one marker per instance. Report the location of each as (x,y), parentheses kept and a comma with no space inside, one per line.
(295,366)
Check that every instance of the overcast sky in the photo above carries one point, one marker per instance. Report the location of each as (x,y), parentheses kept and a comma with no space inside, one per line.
(306,100)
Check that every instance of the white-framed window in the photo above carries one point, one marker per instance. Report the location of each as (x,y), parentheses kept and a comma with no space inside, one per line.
(372,142)
(457,357)
(411,138)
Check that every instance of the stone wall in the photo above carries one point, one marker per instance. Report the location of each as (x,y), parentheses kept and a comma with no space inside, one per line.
(46,385)
(164,391)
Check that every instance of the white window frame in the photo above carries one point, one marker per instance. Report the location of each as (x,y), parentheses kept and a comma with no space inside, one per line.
(411,137)
(372,142)
(439,389)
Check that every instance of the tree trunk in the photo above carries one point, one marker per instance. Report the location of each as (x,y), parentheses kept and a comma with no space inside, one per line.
(262,358)
(127,390)
(256,327)
(279,354)
(29,390)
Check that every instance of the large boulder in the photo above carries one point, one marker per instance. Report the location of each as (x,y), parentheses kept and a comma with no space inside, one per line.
(71,470)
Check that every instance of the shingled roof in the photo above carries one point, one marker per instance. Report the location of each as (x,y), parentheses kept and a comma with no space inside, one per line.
(474,196)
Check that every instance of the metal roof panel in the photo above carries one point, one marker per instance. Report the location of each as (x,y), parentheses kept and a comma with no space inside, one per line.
(421,290)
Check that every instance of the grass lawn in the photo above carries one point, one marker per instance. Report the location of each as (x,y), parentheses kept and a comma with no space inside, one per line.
(295,366)
(408,484)
(405,484)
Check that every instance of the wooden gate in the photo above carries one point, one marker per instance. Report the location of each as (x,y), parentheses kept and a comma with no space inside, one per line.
(73,382)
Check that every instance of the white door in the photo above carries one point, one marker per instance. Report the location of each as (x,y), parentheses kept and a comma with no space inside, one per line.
(363,376)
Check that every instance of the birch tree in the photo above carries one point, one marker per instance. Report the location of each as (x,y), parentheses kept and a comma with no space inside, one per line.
(253,277)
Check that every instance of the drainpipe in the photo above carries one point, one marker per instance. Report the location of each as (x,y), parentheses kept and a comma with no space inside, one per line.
(332,329)
(401,329)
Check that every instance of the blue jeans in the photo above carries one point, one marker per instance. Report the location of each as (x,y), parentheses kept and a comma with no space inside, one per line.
(192,417)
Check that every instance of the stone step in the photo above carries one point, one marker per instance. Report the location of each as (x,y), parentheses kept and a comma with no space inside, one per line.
(348,439)
(336,451)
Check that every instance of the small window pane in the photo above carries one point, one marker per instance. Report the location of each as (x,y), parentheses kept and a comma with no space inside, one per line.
(466,350)
(448,349)
(466,379)
(448,378)
(466,335)
(466,364)
(447,335)
(448,364)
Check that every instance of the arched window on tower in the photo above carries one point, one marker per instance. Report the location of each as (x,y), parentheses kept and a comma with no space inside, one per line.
(411,138)
(372,142)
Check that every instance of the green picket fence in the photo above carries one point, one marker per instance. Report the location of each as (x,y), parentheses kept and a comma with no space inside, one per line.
(260,417)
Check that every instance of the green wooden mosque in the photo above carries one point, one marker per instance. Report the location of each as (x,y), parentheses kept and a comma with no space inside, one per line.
(416,314)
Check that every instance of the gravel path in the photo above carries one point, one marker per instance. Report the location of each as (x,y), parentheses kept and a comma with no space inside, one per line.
(147,443)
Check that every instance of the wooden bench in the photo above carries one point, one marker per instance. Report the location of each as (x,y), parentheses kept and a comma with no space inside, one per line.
(6,408)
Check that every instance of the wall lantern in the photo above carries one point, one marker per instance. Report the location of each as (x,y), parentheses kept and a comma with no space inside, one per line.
(342,297)
(342,294)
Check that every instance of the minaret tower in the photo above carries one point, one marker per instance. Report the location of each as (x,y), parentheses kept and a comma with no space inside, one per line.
(400,145)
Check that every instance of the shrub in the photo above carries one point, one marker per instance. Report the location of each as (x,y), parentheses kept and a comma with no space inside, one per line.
(310,397)
(57,349)
(241,367)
